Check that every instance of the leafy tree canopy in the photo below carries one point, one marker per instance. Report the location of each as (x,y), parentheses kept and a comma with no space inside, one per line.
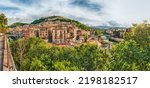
(3,23)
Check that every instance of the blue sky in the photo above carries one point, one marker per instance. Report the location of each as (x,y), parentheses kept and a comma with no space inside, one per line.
(91,12)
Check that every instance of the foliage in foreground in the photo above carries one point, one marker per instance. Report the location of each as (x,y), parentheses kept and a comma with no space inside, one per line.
(35,54)
(134,52)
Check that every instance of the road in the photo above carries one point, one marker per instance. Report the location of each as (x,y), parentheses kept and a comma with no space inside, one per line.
(1,52)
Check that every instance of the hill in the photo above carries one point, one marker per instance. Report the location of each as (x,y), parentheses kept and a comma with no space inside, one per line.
(17,24)
(61,19)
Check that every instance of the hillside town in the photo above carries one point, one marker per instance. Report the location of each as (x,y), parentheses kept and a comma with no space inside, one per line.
(66,34)
(52,32)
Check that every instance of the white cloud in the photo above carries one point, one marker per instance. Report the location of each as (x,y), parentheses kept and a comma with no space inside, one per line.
(128,11)
(121,11)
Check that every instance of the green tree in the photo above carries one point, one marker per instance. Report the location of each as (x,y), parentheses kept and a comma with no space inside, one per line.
(19,49)
(92,58)
(64,66)
(127,56)
(133,53)
(25,51)
(3,23)
(38,55)
(140,33)
(37,65)
(98,32)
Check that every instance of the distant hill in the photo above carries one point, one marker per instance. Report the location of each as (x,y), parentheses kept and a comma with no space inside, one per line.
(103,27)
(61,19)
(17,24)
(109,27)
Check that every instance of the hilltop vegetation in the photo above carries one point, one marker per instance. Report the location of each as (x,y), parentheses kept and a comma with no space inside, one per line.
(61,19)
(54,19)
(17,24)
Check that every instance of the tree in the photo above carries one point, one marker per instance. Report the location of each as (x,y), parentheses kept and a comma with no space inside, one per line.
(92,58)
(86,37)
(129,56)
(21,47)
(133,53)
(3,23)
(125,56)
(140,33)
(24,52)
(37,65)
(64,66)
(98,33)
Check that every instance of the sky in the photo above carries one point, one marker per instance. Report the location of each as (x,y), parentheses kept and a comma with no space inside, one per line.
(90,12)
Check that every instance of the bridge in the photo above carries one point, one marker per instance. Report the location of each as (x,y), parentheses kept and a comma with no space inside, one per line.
(6,59)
